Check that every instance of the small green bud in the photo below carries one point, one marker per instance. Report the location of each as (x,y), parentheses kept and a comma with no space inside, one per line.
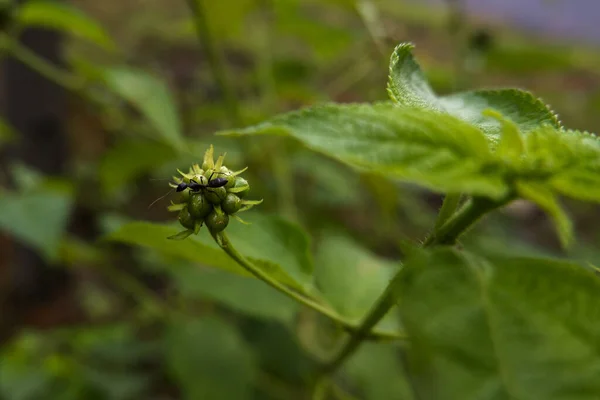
(231,204)
(240,187)
(216,195)
(185,196)
(185,219)
(216,222)
(198,206)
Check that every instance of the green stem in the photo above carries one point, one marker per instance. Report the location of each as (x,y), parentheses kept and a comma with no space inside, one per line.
(456,225)
(223,241)
(383,304)
(449,207)
(215,61)
(41,66)
(470,213)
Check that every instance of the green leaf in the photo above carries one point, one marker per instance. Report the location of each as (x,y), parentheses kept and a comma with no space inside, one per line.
(22,377)
(130,158)
(511,143)
(377,371)
(544,198)
(278,247)
(38,218)
(248,296)
(66,18)
(434,150)
(151,96)
(407,86)
(575,161)
(564,161)
(351,278)
(280,354)
(181,235)
(209,360)
(518,328)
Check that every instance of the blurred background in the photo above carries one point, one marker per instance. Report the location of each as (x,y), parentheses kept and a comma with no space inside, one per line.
(103,100)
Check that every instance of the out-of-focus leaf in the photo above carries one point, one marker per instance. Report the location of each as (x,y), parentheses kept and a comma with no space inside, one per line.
(377,372)
(501,328)
(334,184)
(416,145)
(151,97)
(351,278)
(292,18)
(573,160)
(248,296)
(25,177)
(66,18)
(407,86)
(544,198)
(130,158)
(38,218)
(278,247)
(279,352)
(209,360)
(21,378)
(226,19)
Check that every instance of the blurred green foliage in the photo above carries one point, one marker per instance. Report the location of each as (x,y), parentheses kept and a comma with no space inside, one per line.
(160,322)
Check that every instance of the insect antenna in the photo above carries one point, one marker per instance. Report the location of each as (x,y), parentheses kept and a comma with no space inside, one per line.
(160,198)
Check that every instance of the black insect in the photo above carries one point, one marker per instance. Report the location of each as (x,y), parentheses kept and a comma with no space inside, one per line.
(195,186)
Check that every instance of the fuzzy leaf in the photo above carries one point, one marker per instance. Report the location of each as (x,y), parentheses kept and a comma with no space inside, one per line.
(511,144)
(567,162)
(407,86)
(510,328)
(435,150)
(575,161)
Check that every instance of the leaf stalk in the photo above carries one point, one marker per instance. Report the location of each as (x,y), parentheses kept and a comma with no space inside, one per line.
(223,241)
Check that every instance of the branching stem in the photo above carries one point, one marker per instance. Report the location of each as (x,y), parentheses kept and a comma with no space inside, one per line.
(223,241)
(447,234)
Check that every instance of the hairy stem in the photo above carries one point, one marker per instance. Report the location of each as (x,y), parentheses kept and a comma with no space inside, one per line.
(449,207)
(464,218)
(223,241)
(215,61)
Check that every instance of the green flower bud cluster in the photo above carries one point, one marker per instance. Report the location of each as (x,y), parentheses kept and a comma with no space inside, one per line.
(210,194)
